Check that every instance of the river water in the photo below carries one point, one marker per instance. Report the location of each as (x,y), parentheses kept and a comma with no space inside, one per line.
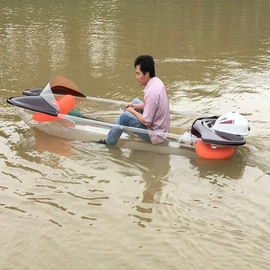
(74,205)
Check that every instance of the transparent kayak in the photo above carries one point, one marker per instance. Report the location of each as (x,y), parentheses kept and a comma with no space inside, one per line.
(60,109)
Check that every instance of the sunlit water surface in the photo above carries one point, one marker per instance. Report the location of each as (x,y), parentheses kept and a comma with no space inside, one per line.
(74,205)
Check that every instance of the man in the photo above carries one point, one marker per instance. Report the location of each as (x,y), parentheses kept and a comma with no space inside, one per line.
(152,115)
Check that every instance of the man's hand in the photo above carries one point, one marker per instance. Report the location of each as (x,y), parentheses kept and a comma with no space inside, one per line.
(137,107)
(129,105)
(130,109)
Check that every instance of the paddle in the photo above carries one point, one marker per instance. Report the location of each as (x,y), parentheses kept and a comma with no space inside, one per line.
(62,85)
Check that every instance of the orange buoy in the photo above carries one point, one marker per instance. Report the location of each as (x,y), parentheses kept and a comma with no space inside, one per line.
(65,104)
(205,150)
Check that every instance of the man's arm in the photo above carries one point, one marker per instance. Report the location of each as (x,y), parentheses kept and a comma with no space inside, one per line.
(137,107)
(138,115)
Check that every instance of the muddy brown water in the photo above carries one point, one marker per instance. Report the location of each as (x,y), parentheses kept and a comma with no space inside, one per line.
(74,205)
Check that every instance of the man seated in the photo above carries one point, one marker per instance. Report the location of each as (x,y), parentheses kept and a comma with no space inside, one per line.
(152,114)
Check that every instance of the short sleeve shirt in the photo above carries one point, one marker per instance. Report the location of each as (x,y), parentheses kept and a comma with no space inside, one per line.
(156,109)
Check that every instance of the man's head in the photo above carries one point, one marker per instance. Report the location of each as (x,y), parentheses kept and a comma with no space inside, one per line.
(145,68)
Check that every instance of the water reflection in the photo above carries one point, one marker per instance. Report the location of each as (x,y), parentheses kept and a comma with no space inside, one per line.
(45,142)
(57,44)
(154,170)
(232,168)
(31,47)
(102,37)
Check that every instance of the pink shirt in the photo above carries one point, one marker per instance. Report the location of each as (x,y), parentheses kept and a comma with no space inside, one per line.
(156,109)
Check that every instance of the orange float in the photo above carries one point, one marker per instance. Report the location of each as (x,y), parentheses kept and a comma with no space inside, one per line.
(205,151)
(65,104)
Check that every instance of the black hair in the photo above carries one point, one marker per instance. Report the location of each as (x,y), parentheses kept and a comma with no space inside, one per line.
(146,63)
